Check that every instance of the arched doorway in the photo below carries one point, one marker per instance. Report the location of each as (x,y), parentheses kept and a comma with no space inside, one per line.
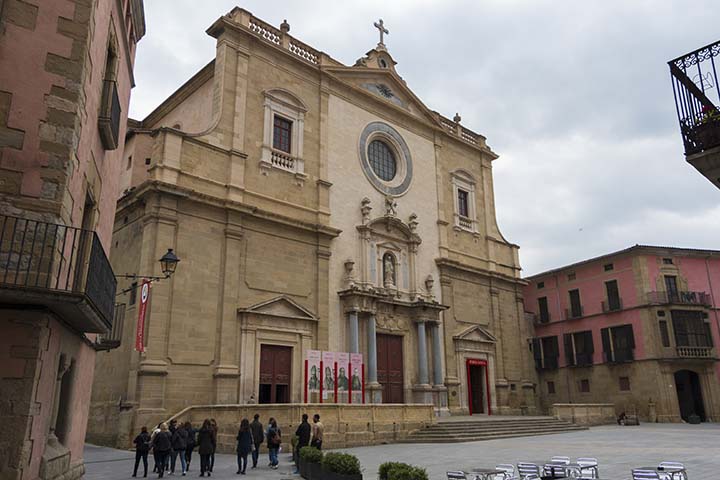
(689,392)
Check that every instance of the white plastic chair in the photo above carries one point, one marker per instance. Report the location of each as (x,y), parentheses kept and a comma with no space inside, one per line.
(457,475)
(526,469)
(508,472)
(588,468)
(673,471)
(642,474)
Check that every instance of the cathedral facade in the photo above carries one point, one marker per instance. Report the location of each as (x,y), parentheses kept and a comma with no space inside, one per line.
(314,206)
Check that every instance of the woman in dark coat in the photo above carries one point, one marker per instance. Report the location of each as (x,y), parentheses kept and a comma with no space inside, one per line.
(142,447)
(214,426)
(162,443)
(179,444)
(245,444)
(190,444)
(206,446)
(274,439)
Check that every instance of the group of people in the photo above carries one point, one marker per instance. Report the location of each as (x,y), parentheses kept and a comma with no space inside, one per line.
(168,442)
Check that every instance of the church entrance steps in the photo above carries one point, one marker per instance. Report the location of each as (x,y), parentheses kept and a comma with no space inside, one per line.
(471,429)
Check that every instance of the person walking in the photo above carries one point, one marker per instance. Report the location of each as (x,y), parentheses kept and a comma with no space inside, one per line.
(142,447)
(303,433)
(245,445)
(162,444)
(274,440)
(190,444)
(179,444)
(206,446)
(172,426)
(258,437)
(214,426)
(156,468)
(317,432)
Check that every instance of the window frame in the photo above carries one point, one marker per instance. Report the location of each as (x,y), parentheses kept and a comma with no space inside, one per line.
(575,313)
(543,310)
(287,106)
(275,140)
(462,180)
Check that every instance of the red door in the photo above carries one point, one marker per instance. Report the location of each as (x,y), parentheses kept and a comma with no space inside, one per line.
(390,367)
(275,371)
(478,386)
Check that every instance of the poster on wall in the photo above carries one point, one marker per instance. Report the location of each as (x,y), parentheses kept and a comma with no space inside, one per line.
(142,309)
(343,382)
(328,376)
(356,378)
(312,375)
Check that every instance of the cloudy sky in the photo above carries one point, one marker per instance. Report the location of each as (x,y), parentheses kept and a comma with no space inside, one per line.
(574,96)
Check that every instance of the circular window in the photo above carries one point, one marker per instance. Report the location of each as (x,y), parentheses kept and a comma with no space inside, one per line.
(382,160)
(385,159)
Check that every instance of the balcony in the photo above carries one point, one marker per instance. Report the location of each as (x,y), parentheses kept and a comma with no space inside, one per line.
(538,319)
(619,355)
(574,312)
(109,118)
(680,298)
(694,352)
(695,86)
(113,338)
(612,306)
(61,268)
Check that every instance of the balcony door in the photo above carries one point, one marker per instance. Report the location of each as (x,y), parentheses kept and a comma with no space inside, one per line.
(671,288)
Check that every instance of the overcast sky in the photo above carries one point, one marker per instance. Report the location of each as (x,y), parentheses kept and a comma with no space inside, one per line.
(574,96)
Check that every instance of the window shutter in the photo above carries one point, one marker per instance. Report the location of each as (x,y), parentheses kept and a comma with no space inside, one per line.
(630,336)
(605,335)
(537,352)
(569,354)
(708,335)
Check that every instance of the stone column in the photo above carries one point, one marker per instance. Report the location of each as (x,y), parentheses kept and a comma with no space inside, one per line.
(422,354)
(437,355)
(372,350)
(354,338)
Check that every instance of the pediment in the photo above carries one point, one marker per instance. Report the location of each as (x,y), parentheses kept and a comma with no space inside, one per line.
(476,333)
(385,85)
(281,306)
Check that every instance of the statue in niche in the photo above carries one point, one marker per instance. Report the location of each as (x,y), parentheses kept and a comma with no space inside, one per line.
(389,270)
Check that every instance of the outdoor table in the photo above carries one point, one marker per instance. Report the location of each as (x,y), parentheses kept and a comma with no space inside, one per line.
(669,473)
(573,470)
(484,473)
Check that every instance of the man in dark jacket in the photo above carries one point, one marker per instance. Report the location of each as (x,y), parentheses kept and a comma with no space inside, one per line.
(303,433)
(258,436)
(190,444)
(179,444)
(142,447)
(162,443)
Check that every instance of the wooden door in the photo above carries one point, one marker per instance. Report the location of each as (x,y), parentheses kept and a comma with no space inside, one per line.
(390,367)
(275,371)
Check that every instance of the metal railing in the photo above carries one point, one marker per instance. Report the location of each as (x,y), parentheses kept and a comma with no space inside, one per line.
(695,86)
(619,355)
(574,313)
(540,320)
(612,306)
(56,258)
(109,117)
(680,297)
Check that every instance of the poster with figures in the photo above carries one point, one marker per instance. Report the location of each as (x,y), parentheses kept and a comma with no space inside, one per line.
(312,366)
(356,378)
(328,376)
(343,382)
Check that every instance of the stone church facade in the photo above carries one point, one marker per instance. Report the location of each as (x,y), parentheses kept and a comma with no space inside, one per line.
(313,205)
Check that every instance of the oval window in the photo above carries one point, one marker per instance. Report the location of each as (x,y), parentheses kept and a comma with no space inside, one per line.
(382,160)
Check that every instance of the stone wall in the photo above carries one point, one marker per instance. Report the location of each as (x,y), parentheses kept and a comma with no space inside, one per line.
(585,413)
(345,425)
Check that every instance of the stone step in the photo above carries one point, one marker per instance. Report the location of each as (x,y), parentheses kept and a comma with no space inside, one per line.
(445,432)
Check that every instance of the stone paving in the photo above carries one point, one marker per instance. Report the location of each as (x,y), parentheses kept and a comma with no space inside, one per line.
(618,449)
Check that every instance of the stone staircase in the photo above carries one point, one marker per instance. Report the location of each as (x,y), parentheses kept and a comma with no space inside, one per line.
(469,429)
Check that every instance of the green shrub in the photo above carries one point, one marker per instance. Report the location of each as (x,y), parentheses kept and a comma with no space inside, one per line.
(342,463)
(403,471)
(311,455)
(385,468)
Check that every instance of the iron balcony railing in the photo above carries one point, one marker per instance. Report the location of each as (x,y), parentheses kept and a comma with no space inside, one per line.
(574,312)
(695,86)
(619,355)
(680,297)
(612,305)
(109,118)
(540,319)
(60,266)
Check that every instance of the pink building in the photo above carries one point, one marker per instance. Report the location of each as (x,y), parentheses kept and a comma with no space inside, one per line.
(65,77)
(637,328)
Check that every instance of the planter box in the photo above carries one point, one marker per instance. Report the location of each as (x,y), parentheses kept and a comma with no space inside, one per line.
(310,471)
(325,475)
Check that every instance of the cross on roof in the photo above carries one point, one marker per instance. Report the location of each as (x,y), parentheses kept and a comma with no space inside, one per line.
(379,25)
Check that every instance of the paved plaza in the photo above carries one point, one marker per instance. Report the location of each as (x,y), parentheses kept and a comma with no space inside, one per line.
(618,449)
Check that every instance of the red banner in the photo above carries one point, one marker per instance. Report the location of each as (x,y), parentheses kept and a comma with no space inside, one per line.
(140,330)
